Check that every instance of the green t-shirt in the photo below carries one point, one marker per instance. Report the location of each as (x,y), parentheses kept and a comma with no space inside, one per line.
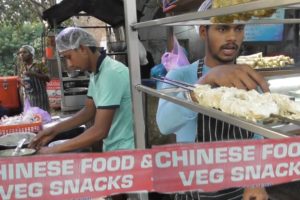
(110,88)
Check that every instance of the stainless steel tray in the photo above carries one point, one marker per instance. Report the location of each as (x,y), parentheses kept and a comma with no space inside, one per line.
(269,131)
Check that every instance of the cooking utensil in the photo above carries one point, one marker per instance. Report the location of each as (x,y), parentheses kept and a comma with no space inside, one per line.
(22,152)
(180,84)
(19,146)
(76,91)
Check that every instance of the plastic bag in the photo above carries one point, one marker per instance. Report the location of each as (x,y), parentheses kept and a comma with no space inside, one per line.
(46,117)
(158,71)
(175,58)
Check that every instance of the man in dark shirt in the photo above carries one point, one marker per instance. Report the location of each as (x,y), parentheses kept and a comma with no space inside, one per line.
(34,76)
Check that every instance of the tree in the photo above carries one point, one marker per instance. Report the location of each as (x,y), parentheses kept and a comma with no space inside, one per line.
(21,23)
(12,39)
(18,12)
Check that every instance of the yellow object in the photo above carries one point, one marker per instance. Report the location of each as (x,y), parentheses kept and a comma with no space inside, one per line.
(238,16)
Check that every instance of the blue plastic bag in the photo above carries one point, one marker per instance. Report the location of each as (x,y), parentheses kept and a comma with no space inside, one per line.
(158,71)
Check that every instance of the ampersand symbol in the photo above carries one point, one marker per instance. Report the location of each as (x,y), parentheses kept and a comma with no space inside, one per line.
(146,161)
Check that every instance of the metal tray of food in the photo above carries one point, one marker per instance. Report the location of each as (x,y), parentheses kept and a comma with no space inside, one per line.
(285,68)
(272,129)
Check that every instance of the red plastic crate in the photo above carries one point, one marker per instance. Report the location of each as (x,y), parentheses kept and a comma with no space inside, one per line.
(9,92)
(30,127)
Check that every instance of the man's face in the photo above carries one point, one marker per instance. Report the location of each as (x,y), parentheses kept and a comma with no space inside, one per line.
(24,54)
(76,59)
(223,42)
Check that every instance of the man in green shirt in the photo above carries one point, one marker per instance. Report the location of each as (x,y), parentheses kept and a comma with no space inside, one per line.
(108,103)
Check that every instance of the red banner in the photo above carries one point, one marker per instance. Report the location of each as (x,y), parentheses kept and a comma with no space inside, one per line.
(170,168)
(214,166)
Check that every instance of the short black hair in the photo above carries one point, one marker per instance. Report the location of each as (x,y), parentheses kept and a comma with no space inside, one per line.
(94,49)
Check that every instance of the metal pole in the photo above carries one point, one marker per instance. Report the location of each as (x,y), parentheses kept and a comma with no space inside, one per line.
(135,78)
(134,68)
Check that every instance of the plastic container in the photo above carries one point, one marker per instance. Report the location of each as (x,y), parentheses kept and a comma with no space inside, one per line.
(49,52)
(9,90)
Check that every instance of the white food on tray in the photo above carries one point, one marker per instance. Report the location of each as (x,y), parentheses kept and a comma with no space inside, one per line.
(251,105)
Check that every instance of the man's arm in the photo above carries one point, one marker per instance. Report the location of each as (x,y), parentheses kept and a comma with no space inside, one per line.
(40,71)
(86,114)
(98,131)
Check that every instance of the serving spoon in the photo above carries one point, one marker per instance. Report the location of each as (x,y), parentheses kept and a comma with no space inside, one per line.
(19,146)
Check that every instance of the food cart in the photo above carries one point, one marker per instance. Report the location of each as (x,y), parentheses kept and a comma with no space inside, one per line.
(283,130)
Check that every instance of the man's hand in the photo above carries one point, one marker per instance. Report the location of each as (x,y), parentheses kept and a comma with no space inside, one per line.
(239,76)
(42,138)
(255,194)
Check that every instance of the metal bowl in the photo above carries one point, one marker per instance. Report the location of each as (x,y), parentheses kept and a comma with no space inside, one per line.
(22,152)
(11,140)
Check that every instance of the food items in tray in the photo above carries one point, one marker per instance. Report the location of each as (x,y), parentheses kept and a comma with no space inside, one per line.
(257,61)
(12,139)
(18,119)
(22,152)
(251,105)
(245,16)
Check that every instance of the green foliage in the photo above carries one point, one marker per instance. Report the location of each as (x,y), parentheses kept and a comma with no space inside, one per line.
(16,12)
(12,38)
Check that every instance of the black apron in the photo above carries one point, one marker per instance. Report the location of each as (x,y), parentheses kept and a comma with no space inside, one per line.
(211,129)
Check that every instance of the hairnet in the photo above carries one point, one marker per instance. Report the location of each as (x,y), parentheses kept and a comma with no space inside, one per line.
(204,6)
(71,37)
(29,48)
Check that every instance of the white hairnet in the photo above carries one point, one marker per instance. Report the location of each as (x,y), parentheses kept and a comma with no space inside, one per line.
(71,37)
(204,6)
(29,48)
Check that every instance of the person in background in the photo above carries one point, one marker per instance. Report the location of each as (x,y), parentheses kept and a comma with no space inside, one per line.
(33,76)
(222,46)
